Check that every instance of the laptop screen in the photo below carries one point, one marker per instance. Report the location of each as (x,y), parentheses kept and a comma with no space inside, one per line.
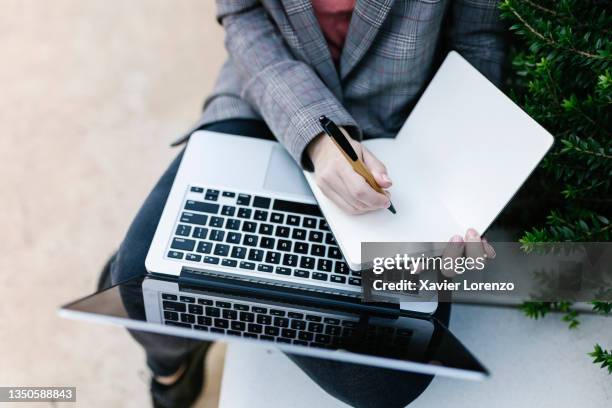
(160,305)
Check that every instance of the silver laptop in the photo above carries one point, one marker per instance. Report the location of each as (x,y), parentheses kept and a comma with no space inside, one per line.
(240,208)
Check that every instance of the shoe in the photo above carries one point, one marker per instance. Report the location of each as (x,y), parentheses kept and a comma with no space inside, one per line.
(184,392)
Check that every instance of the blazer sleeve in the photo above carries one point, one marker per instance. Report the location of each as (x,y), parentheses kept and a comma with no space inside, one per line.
(478,34)
(285,91)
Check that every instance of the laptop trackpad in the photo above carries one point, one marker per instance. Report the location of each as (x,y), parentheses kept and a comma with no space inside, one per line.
(284,175)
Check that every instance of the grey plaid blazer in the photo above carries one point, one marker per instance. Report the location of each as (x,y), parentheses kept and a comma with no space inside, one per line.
(280,69)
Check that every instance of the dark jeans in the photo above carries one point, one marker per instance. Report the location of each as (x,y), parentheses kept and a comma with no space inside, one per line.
(356,385)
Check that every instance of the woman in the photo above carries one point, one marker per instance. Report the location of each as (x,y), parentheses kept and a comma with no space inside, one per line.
(361,63)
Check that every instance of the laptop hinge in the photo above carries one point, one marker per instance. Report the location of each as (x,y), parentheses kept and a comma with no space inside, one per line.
(269,291)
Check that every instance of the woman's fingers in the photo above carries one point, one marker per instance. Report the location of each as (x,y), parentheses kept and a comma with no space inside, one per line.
(378,169)
(473,244)
(360,191)
(330,187)
(454,250)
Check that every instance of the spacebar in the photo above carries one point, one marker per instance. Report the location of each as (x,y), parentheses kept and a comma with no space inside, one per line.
(300,208)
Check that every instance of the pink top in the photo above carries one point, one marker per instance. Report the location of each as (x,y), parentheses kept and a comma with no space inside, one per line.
(334,18)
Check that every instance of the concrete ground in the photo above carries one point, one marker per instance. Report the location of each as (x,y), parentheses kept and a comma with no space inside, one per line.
(91,93)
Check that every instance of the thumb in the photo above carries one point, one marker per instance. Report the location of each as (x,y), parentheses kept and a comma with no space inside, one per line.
(378,169)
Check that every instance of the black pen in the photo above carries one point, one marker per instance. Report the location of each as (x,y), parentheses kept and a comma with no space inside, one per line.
(349,153)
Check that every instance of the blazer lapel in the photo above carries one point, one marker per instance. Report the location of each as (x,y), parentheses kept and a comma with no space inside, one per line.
(311,39)
(367,18)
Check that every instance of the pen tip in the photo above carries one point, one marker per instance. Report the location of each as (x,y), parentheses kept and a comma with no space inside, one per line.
(392,209)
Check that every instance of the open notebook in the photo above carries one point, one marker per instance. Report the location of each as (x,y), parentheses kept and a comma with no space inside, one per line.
(461,155)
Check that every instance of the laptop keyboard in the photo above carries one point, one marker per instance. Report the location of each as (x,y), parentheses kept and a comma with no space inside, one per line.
(259,234)
(278,324)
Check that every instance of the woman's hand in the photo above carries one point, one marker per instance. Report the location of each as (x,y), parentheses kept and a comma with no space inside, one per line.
(340,183)
(472,246)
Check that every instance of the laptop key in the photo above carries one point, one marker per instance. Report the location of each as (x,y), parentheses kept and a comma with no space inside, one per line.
(247,265)
(323,225)
(200,232)
(341,268)
(168,315)
(315,327)
(300,247)
(305,336)
(228,210)
(283,245)
(221,323)
(331,320)
(276,312)
(183,230)
(174,306)
(249,226)
(241,307)
(230,314)
(205,302)
(271,330)
(259,309)
(254,328)
(283,271)
(288,333)
(309,222)
(329,239)
(213,311)
(267,242)
(290,260)
(187,318)
(229,194)
(265,229)
(178,324)
(238,252)
(204,320)
(191,218)
(293,220)
(333,330)
(281,322)
(196,309)
(260,215)
(324,265)
(264,268)
(298,324)
(238,325)
(307,262)
(337,279)
(256,255)
(354,281)
(222,249)
(317,250)
(273,257)
(233,237)
(299,233)
(250,240)
(187,299)
(261,202)
(196,189)
(244,212)
(313,318)
(319,276)
(232,224)
(200,206)
(216,222)
(334,252)
(211,260)
(168,296)
(315,236)
(247,317)
(175,254)
(243,199)
(264,319)
(204,247)
(277,218)
(231,263)
(183,244)
(300,273)
(282,232)
(217,235)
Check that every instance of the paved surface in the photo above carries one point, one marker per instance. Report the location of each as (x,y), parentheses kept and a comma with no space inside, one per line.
(532,364)
(91,94)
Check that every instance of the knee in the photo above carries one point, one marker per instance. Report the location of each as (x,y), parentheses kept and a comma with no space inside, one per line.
(129,261)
